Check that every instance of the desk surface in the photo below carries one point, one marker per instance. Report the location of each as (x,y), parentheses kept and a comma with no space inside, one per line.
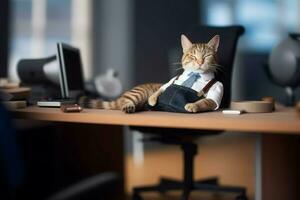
(284,120)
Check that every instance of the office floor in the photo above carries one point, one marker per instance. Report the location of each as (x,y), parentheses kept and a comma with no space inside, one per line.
(229,157)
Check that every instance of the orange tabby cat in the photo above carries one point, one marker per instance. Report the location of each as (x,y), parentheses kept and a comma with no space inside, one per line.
(198,56)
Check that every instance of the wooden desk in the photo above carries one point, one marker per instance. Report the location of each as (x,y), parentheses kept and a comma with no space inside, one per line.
(279,152)
(284,121)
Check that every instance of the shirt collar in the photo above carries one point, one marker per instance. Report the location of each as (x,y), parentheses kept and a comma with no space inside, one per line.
(205,76)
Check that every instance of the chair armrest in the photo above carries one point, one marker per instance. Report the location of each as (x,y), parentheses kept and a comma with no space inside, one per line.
(82,188)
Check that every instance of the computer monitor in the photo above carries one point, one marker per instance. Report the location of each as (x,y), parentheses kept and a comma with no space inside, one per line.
(71,73)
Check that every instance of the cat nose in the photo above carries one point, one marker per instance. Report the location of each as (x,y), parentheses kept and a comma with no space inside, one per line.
(199,62)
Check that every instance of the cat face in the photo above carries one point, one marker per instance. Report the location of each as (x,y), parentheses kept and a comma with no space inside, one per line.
(200,56)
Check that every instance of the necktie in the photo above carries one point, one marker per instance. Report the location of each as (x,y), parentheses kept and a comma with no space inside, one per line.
(191,80)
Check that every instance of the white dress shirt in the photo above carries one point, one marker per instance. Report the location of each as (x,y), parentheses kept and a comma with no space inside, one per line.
(215,93)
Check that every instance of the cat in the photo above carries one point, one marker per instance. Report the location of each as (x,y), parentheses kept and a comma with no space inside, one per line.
(197,56)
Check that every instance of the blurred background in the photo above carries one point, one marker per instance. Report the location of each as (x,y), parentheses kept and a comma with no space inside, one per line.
(141,39)
(138,39)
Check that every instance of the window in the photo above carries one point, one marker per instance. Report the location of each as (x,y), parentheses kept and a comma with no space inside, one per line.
(37,25)
(266,21)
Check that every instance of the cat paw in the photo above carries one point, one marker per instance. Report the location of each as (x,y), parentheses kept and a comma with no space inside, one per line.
(152,100)
(128,108)
(191,107)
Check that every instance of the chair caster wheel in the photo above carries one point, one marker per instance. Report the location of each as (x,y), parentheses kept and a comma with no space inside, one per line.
(136,196)
(241,197)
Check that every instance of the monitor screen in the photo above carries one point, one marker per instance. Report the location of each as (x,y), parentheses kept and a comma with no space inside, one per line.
(71,69)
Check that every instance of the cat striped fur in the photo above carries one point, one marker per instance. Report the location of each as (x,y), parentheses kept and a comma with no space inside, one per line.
(134,99)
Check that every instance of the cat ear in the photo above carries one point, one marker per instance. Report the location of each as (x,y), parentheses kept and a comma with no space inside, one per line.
(185,43)
(214,42)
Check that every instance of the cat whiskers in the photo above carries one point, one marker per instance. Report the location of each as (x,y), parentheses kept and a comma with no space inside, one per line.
(178,68)
(175,64)
(217,67)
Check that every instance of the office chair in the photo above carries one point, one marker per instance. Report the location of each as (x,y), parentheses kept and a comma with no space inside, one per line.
(229,37)
(12,172)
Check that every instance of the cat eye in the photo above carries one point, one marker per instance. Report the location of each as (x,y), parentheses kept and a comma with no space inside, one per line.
(192,57)
(207,56)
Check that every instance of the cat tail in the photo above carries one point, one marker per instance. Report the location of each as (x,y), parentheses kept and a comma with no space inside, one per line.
(100,104)
(111,105)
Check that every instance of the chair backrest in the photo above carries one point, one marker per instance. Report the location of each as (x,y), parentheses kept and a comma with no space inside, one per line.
(229,36)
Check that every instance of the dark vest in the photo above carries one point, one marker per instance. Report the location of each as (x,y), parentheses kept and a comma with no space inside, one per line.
(175,97)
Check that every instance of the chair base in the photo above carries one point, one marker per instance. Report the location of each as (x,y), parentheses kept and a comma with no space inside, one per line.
(211,185)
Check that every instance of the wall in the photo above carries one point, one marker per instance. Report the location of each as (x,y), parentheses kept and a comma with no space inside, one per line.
(112,38)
